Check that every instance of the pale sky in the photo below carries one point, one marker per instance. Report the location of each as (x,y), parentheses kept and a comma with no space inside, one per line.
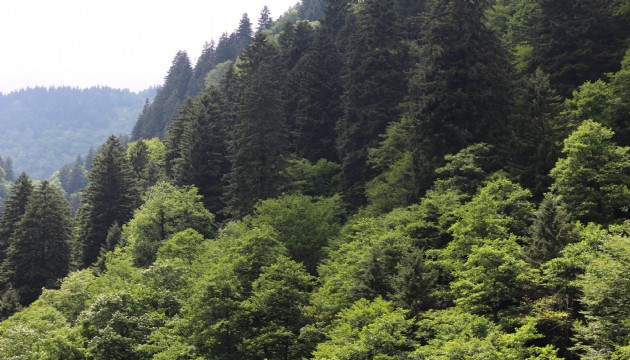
(116,43)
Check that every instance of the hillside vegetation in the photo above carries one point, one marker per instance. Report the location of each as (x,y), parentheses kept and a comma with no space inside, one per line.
(375,179)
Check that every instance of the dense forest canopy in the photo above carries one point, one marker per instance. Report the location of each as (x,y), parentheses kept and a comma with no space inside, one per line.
(45,128)
(358,179)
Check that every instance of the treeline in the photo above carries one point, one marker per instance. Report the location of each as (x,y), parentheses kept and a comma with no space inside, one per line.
(402,179)
(42,129)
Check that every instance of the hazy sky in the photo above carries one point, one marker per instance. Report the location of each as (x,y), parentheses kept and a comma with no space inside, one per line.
(116,43)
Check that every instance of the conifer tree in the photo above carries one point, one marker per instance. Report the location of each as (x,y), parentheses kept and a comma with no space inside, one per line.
(154,119)
(110,197)
(258,139)
(336,12)
(205,63)
(8,170)
(536,132)
(315,87)
(243,34)
(575,41)
(551,230)
(375,62)
(459,93)
(265,21)
(39,253)
(15,206)
(200,148)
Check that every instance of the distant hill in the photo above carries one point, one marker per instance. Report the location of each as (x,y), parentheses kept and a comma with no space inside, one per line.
(42,129)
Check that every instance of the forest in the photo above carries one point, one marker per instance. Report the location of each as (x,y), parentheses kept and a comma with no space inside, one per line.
(357,179)
(42,129)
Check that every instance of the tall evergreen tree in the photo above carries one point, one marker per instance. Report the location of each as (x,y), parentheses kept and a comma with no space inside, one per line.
(575,41)
(110,197)
(335,14)
(9,175)
(265,21)
(374,68)
(39,253)
(258,139)
(536,132)
(315,89)
(460,91)
(244,33)
(154,120)
(205,63)
(15,206)
(201,150)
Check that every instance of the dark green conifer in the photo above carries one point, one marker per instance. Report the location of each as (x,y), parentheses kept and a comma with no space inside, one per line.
(15,206)
(315,89)
(265,21)
(154,119)
(39,253)
(374,65)
(575,41)
(199,147)
(205,63)
(258,139)
(460,91)
(110,197)
(9,175)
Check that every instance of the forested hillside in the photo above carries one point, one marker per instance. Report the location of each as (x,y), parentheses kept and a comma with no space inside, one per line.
(42,129)
(374,179)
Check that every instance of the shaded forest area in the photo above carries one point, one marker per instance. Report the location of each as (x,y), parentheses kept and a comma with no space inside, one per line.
(375,179)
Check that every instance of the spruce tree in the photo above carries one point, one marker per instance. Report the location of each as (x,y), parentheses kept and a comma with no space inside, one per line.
(575,41)
(374,65)
(154,119)
(258,139)
(110,197)
(315,90)
(265,21)
(15,206)
(536,132)
(459,93)
(243,34)
(9,175)
(205,63)
(200,148)
(39,253)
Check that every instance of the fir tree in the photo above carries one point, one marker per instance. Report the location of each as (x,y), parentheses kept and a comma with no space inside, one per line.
(154,119)
(265,21)
(110,197)
(575,41)
(200,148)
(39,253)
(15,206)
(205,63)
(460,91)
(8,170)
(551,230)
(243,33)
(315,89)
(375,62)
(258,140)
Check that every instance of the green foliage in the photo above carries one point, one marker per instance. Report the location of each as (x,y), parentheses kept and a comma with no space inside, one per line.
(577,41)
(367,330)
(493,279)
(304,224)
(258,141)
(456,334)
(156,116)
(605,297)
(110,197)
(322,178)
(147,159)
(39,253)
(15,206)
(374,63)
(592,178)
(167,211)
(274,311)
